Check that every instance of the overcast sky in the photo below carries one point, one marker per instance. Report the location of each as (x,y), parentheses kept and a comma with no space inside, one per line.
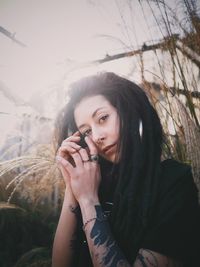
(57,31)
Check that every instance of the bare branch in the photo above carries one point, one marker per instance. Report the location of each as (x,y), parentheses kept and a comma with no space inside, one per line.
(11,36)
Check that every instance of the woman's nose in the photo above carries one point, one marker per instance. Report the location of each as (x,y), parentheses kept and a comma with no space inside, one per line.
(98,136)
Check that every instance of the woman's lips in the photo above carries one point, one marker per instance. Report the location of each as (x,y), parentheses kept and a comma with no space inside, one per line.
(108,149)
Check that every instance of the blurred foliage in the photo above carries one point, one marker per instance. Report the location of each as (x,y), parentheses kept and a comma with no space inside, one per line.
(20,231)
(38,257)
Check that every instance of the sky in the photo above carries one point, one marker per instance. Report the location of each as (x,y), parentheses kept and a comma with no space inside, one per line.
(59,34)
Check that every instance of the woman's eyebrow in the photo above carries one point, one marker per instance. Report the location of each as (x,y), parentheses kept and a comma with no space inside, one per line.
(95,112)
(93,115)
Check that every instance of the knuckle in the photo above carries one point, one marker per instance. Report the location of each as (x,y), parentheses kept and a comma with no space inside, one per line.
(63,143)
(59,152)
(93,152)
(61,149)
(65,163)
(75,155)
(83,151)
(88,167)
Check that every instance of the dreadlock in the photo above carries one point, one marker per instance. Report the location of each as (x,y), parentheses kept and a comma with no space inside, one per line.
(137,176)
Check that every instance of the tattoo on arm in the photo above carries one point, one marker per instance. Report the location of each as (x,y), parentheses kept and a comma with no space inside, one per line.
(148,258)
(106,251)
(75,210)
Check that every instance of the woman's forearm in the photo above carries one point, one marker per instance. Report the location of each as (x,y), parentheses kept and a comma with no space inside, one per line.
(103,248)
(66,233)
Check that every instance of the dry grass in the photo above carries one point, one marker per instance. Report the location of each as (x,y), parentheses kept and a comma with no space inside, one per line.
(36,181)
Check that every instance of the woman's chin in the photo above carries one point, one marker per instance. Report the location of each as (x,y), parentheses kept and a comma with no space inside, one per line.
(111,158)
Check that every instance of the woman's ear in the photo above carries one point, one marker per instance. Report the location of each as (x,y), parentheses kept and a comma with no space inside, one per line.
(140,129)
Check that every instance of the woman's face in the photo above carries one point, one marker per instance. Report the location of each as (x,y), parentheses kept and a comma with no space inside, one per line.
(97,118)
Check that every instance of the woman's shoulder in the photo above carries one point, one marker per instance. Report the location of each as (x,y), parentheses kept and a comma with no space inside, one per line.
(172,167)
(175,226)
(173,171)
(176,179)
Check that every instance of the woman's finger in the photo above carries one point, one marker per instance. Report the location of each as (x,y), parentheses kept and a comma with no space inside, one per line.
(74,139)
(77,159)
(91,146)
(68,148)
(77,133)
(65,151)
(66,164)
(84,155)
(71,145)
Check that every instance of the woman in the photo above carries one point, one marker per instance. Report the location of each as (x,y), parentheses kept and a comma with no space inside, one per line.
(122,205)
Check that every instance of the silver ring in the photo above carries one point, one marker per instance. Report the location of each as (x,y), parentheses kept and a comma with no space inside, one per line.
(94,158)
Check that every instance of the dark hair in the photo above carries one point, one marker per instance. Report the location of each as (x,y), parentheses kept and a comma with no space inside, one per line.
(139,166)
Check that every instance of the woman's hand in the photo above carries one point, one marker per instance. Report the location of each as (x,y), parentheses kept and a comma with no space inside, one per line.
(85,175)
(68,147)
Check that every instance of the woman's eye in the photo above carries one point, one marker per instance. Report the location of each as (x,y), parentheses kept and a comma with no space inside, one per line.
(87,132)
(103,118)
